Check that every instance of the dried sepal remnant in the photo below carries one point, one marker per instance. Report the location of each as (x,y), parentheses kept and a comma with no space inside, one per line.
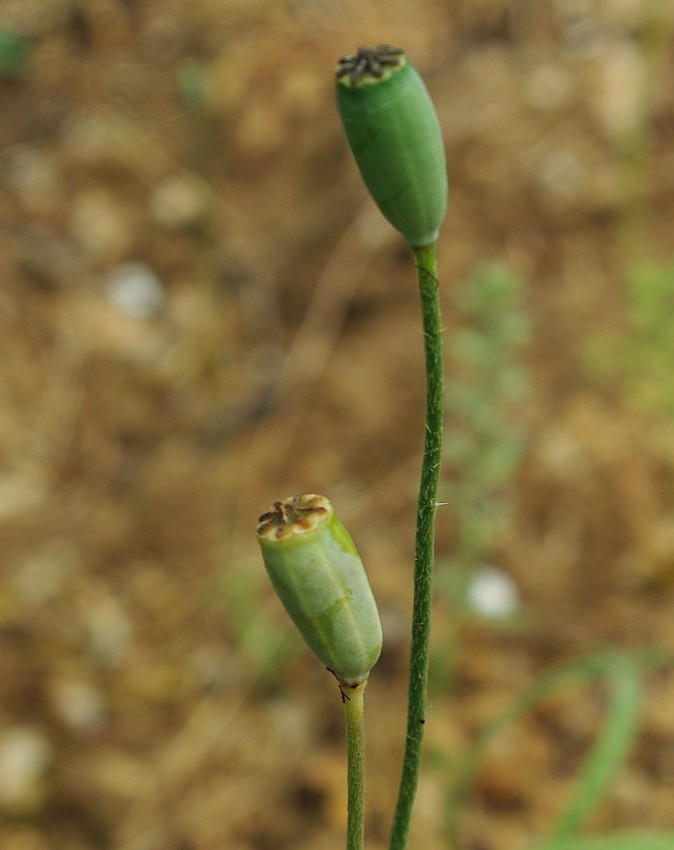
(295,515)
(368,61)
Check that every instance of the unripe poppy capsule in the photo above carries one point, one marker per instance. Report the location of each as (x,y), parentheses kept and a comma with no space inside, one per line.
(320,579)
(395,137)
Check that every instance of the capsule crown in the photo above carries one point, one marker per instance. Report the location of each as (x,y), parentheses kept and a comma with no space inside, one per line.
(319,577)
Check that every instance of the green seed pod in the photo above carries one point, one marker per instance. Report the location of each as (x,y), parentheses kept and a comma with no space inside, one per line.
(395,137)
(320,579)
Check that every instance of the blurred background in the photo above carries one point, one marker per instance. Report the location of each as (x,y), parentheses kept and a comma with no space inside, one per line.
(201,311)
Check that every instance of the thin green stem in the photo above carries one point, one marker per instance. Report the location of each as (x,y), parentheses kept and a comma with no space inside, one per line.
(355,778)
(424,554)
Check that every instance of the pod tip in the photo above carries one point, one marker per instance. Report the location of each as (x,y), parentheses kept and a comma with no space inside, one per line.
(295,515)
(369,64)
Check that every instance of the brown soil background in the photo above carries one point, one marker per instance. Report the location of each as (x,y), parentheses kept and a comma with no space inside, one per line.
(152,696)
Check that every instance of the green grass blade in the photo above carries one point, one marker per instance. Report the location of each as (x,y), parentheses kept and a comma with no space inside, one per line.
(610,748)
(613,841)
(585,671)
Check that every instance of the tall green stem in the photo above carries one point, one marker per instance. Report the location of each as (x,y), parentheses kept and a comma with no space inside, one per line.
(355,780)
(424,554)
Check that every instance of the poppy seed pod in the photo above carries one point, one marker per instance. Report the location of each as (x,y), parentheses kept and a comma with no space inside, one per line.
(395,137)
(320,579)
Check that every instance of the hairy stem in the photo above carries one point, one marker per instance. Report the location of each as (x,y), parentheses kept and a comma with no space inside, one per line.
(355,779)
(424,555)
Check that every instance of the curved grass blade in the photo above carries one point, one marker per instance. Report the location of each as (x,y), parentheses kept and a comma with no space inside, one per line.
(585,671)
(613,841)
(611,747)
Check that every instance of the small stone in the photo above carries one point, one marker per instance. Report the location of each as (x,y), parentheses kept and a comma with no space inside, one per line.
(619,86)
(179,201)
(33,176)
(136,290)
(493,594)
(110,630)
(25,754)
(41,576)
(79,705)
(101,226)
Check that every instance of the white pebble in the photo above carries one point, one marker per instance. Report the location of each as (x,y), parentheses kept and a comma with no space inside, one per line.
(25,754)
(493,594)
(79,705)
(136,290)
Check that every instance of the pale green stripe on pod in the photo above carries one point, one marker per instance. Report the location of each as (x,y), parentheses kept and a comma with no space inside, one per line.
(321,581)
(395,136)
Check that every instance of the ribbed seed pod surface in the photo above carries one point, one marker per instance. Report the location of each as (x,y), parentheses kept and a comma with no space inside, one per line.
(319,577)
(394,133)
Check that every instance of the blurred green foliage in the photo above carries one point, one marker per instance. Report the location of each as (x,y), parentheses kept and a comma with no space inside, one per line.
(622,675)
(483,441)
(266,647)
(638,358)
(484,447)
(14,53)
(192,79)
